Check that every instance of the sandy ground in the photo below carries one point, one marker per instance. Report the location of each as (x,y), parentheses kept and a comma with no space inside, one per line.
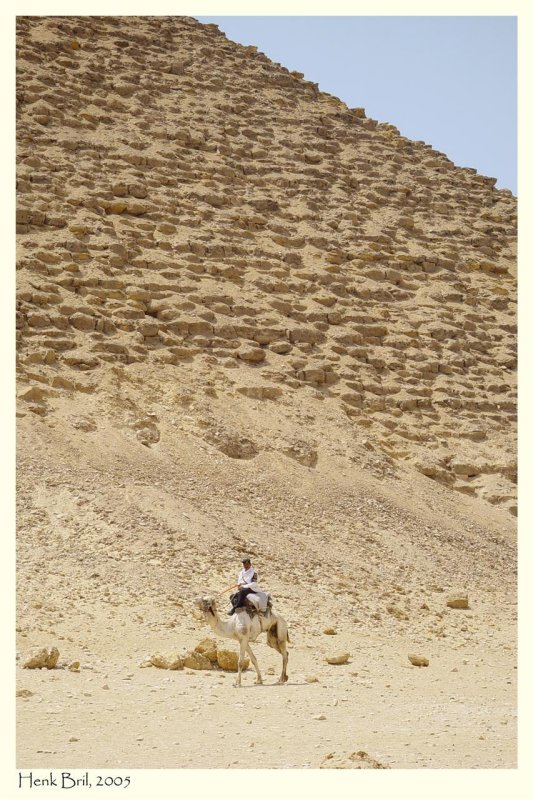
(457,713)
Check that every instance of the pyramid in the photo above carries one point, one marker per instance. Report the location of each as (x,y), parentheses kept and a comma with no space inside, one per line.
(182,198)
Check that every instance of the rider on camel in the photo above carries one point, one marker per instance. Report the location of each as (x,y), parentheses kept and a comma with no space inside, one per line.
(247,584)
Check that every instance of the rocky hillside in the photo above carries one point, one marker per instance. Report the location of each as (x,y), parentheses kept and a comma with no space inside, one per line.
(183,201)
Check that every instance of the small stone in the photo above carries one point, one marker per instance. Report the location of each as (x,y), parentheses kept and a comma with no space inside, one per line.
(311,679)
(397,613)
(74,667)
(330,631)
(24,693)
(320,716)
(342,658)
(418,661)
(458,601)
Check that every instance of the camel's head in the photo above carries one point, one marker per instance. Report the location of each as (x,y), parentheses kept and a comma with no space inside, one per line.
(203,605)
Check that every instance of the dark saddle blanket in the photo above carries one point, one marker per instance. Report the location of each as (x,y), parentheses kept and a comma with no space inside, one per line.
(253,605)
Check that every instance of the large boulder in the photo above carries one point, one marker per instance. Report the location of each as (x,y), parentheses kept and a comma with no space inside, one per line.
(196,661)
(229,660)
(167,662)
(208,648)
(43,658)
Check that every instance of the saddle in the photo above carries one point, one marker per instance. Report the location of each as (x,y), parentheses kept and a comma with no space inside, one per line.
(252,603)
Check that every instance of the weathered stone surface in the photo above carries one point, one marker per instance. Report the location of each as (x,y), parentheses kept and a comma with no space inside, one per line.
(115,208)
(82,322)
(208,648)
(458,601)
(36,320)
(166,662)
(148,328)
(281,347)
(303,452)
(196,660)
(260,392)
(336,276)
(253,355)
(33,393)
(397,612)
(418,661)
(340,658)
(148,435)
(231,444)
(48,257)
(43,658)
(465,468)
(61,382)
(229,660)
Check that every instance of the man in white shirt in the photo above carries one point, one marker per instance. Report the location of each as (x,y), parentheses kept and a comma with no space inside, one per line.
(247,583)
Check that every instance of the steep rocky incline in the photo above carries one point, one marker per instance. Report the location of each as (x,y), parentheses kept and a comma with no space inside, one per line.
(187,204)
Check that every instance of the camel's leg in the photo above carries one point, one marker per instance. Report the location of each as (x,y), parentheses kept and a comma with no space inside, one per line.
(283,650)
(243,645)
(253,659)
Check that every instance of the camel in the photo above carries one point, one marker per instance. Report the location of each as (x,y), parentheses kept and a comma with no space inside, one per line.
(245,628)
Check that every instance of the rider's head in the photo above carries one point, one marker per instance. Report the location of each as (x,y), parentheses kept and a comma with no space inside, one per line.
(246,563)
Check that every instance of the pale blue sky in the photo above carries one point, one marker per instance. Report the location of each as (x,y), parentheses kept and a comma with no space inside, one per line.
(449,81)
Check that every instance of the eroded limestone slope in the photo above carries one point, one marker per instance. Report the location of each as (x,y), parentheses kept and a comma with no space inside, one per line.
(185,202)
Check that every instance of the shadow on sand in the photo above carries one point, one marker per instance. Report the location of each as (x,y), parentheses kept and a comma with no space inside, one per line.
(266,685)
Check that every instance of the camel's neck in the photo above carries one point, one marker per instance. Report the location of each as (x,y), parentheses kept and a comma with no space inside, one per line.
(223,628)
